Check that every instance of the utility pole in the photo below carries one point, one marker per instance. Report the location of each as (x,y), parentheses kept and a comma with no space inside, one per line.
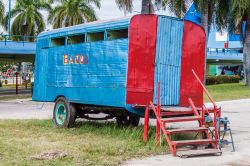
(9,16)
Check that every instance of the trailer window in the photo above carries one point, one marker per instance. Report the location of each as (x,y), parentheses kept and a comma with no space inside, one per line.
(96,36)
(117,34)
(76,39)
(60,41)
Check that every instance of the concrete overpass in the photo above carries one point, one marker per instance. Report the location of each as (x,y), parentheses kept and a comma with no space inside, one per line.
(17,51)
(24,51)
(224,49)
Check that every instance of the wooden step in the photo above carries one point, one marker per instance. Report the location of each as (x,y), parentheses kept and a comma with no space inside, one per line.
(192,153)
(194,142)
(183,130)
(174,114)
(180,119)
(176,109)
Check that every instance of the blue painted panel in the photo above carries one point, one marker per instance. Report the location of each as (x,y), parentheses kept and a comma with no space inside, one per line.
(168,60)
(234,37)
(12,47)
(40,80)
(101,82)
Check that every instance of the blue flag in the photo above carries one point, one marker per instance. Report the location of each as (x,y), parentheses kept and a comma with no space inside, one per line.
(193,15)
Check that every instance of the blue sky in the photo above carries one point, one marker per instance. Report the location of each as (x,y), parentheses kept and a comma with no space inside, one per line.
(109,10)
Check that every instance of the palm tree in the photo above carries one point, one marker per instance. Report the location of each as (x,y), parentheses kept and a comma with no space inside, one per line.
(230,14)
(28,20)
(178,7)
(240,12)
(2,10)
(73,12)
(207,8)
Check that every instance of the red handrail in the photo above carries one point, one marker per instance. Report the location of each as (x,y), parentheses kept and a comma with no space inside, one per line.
(205,90)
(214,104)
(162,126)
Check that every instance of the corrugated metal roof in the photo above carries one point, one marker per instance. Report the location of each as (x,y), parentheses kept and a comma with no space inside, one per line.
(92,26)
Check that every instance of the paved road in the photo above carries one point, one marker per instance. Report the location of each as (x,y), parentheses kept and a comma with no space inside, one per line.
(12,91)
(238,113)
(25,109)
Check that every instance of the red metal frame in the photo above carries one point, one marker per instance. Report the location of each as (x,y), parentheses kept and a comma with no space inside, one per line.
(146,124)
(158,129)
(161,123)
(216,111)
(171,145)
(16,83)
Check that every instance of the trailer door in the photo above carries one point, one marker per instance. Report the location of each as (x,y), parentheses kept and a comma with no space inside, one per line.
(41,68)
(141,60)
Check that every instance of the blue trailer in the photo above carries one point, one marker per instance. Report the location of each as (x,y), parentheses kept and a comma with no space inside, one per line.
(114,67)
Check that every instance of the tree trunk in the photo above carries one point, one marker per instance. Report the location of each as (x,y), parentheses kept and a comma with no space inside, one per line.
(147,7)
(204,22)
(246,54)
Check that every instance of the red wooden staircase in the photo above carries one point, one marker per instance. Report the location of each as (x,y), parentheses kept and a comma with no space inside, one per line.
(203,145)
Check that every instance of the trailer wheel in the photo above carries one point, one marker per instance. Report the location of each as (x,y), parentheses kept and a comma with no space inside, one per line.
(64,113)
(127,120)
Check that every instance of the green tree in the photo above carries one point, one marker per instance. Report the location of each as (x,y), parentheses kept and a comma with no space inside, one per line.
(207,9)
(2,10)
(73,12)
(178,7)
(231,15)
(240,13)
(27,17)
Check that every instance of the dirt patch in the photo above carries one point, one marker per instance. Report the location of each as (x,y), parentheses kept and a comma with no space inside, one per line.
(49,156)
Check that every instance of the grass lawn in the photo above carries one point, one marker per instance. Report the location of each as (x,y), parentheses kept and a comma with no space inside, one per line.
(14,86)
(87,144)
(223,92)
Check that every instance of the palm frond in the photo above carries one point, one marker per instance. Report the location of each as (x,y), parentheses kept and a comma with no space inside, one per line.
(27,18)
(125,5)
(73,12)
(2,11)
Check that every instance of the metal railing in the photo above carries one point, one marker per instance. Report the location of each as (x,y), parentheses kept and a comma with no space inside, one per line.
(17,38)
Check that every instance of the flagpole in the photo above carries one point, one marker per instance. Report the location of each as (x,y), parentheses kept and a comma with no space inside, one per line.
(9,15)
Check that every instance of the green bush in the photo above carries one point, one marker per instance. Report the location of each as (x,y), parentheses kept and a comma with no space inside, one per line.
(212,80)
(1,84)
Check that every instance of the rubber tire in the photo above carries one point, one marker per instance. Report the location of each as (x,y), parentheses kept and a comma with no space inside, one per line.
(70,114)
(128,120)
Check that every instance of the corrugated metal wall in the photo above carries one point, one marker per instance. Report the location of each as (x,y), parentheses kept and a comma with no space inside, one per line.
(101,82)
(194,37)
(41,67)
(141,69)
(168,60)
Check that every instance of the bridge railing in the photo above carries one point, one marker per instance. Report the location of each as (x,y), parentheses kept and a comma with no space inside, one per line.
(17,38)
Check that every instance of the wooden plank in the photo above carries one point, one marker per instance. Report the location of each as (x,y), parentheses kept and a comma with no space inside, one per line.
(183,130)
(194,142)
(192,153)
(176,109)
(181,119)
